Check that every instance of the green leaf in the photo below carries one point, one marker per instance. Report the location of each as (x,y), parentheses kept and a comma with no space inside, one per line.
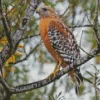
(51,98)
(90,73)
(98,81)
(87,80)
(49,3)
(94,67)
(59,94)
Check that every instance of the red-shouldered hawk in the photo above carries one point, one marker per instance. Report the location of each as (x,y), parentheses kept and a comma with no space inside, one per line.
(60,42)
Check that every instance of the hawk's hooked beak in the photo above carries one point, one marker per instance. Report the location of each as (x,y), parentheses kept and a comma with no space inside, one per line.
(38,10)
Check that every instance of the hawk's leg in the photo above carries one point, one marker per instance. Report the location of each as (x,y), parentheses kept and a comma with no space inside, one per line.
(57,68)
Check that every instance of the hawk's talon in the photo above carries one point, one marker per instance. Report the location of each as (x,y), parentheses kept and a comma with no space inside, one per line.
(53,73)
(57,69)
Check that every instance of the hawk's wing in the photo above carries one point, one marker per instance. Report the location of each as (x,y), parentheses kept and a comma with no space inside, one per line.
(63,41)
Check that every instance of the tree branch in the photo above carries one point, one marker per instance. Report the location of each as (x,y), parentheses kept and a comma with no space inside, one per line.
(34,85)
(7,88)
(95,26)
(31,36)
(41,83)
(78,26)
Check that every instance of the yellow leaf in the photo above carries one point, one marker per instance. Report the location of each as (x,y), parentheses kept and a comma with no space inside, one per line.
(11,59)
(10,69)
(3,40)
(97,60)
(7,62)
(18,53)
(20,46)
(1,48)
(4,74)
(11,11)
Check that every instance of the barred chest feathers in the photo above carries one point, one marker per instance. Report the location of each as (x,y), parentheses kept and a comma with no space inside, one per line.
(43,26)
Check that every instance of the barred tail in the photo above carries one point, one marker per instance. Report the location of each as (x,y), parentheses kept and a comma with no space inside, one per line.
(79,80)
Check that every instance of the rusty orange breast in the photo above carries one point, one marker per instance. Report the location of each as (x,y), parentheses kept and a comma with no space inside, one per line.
(44,24)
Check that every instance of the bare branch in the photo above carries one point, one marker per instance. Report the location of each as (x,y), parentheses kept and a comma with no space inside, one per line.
(65,11)
(78,26)
(6,88)
(84,51)
(5,85)
(31,36)
(95,27)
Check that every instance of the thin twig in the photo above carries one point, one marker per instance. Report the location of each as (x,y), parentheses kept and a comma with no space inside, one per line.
(85,51)
(65,11)
(78,26)
(96,94)
(88,19)
(31,36)
(81,39)
(26,57)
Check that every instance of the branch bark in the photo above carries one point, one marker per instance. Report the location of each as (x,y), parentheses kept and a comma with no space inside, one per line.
(78,26)
(96,23)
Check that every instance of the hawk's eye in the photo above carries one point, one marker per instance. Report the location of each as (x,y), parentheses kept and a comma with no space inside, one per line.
(45,9)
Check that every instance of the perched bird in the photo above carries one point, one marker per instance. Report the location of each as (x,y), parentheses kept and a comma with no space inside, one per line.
(60,42)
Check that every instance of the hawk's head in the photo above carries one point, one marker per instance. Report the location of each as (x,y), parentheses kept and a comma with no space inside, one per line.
(46,11)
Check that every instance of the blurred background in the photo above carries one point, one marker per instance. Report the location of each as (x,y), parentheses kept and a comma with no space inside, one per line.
(32,62)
